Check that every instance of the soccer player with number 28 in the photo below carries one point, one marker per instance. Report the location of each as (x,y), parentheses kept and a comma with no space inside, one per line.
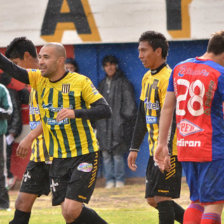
(196,90)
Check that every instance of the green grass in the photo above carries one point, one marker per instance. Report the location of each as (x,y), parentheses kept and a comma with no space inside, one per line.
(112,216)
(116,206)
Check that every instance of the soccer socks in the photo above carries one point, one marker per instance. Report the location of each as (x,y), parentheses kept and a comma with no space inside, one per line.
(166,212)
(193,214)
(89,216)
(20,217)
(210,218)
(179,212)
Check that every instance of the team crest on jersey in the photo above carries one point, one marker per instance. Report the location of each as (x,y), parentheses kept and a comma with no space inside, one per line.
(155,83)
(65,88)
(188,128)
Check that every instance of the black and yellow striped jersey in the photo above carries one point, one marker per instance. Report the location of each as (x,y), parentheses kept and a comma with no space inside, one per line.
(69,137)
(39,151)
(154,87)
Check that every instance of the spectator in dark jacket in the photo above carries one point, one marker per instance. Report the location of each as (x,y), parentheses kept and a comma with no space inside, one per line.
(114,134)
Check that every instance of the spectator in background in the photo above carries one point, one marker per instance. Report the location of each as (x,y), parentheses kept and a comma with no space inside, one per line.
(114,134)
(13,131)
(14,124)
(5,112)
(71,65)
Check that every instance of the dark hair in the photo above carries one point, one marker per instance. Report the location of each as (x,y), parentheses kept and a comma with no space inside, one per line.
(111,59)
(216,43)
(19,46)
(73,62)
(156,40)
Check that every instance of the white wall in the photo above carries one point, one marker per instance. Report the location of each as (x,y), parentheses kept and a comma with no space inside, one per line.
(117,21)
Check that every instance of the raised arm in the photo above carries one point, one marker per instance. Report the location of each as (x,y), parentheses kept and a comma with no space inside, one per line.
(13,70)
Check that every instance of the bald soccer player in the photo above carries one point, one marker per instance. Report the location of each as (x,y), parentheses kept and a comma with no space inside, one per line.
(67,102)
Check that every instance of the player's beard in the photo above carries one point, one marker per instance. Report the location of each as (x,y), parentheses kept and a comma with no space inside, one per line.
(44,74)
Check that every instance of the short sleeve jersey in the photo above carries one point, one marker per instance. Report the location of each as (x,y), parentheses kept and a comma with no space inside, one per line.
(39,151)
(69,137)
(153,94)
(199,88)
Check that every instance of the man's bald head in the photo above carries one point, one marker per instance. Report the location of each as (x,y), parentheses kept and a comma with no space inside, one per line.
(59,49)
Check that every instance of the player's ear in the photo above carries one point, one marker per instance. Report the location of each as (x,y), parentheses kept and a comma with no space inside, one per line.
(26,56)
(158,51)
(61,60)
(222,59)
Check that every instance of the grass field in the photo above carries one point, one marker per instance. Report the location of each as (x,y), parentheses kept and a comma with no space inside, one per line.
(117,206)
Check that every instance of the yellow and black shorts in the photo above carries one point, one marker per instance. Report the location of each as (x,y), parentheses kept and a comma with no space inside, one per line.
(73,178)
(167,184)
(36,179)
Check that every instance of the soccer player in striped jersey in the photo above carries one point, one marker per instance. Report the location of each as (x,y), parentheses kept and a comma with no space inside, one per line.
(67,102)
(36,177)
(196,90)
(160,187)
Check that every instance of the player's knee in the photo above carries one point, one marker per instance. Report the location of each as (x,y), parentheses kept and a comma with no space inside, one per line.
(69,216)
(24,202)
(151,202)
(19,202)
(71,212)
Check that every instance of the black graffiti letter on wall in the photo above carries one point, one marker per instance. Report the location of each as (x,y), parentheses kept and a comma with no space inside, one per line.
(64,15)
(178,19)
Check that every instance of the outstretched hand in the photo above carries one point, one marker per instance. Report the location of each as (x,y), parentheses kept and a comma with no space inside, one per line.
(162,158)
(131,160)
(24,147)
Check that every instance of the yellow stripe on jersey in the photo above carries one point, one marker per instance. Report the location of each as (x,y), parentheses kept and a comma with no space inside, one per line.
(70,137)
(39,151)
(153,94)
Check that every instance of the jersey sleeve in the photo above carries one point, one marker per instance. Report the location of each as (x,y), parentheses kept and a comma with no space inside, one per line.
(89,92)
(34,77)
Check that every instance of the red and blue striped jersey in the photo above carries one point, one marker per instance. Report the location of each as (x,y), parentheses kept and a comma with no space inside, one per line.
(199,88)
